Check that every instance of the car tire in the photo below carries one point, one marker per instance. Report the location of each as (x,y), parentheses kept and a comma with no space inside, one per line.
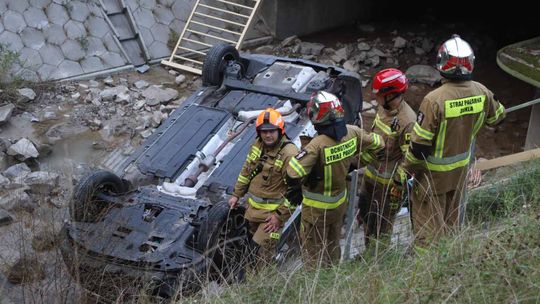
(84,206)
(223,237)
(215,63)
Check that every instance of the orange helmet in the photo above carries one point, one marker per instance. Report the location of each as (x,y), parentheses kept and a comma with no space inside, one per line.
(270,119)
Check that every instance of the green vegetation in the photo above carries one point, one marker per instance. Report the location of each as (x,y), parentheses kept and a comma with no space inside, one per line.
(11,82)
(506,197)
(173,39)
(478,265)
(83,41)
(8,59)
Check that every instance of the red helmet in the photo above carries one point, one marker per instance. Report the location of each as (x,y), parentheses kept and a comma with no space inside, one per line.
(390,81)
(270,119)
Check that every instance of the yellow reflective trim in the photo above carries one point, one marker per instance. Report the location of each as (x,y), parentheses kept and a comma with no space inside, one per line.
(376,178)
(278,163)
(324,205)
(464,106)
(295,165)
(404,148)
(385,128)
(275,235)
(366,157)
(242,179)
(377,140)
(447,167)
(410,157)
(264,206)
(328,180)
(340,152)
(479,122)
(287,204)
(425,134)
(439,146)
(255,153)
(498,113)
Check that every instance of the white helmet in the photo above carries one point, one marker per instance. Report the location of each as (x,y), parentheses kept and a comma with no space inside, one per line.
(455,59)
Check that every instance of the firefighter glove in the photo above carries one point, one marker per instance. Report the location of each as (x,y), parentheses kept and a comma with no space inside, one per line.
(294,191)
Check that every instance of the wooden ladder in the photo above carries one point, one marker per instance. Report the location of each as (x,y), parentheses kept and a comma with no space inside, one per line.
(211,22)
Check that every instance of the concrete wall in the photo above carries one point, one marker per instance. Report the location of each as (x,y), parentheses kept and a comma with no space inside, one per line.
(59,39)
(300,17)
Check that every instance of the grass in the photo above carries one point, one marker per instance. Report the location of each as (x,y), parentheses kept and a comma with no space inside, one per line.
(506,197)
(10,83)
(501,266)
(496,265)
(8,59)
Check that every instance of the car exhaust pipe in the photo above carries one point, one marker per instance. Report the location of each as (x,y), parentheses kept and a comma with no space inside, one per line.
(210,160)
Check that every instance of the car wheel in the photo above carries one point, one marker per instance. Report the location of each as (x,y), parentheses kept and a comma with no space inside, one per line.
(85,205)
(224,239)
(217,59)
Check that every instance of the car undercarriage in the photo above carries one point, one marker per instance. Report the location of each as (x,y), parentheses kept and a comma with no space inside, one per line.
(161,222)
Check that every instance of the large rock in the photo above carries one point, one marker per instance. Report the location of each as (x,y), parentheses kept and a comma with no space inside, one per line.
(17,199)
(341,55)
(41,182)
(110,94)
(26,94)
(351,65)
(400,42)
(155,95)
(5,112)
(23,149)
(17,170)
(4,181)
(310,48)
(141,84)
(423,74)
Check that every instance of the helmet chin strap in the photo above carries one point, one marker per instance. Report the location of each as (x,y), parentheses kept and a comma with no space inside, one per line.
(387,102)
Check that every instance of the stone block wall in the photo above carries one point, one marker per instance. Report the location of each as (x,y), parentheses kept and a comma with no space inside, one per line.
(57,39)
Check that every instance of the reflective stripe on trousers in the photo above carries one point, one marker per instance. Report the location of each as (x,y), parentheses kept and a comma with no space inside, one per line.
(321,201)
(267,204)
(442,164)
(374,174)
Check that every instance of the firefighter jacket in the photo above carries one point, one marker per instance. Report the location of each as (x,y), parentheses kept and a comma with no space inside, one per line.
(448,120)
(325,162)
(394,127)
(263,175)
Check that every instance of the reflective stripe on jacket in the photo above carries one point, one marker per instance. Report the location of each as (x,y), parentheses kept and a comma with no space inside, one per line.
(448,120)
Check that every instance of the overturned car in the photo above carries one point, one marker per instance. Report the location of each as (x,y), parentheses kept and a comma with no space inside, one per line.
(161,221)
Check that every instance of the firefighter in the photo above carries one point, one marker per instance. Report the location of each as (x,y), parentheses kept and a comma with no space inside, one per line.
(448,120)
(317,177)
(393,122)
(262,181)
